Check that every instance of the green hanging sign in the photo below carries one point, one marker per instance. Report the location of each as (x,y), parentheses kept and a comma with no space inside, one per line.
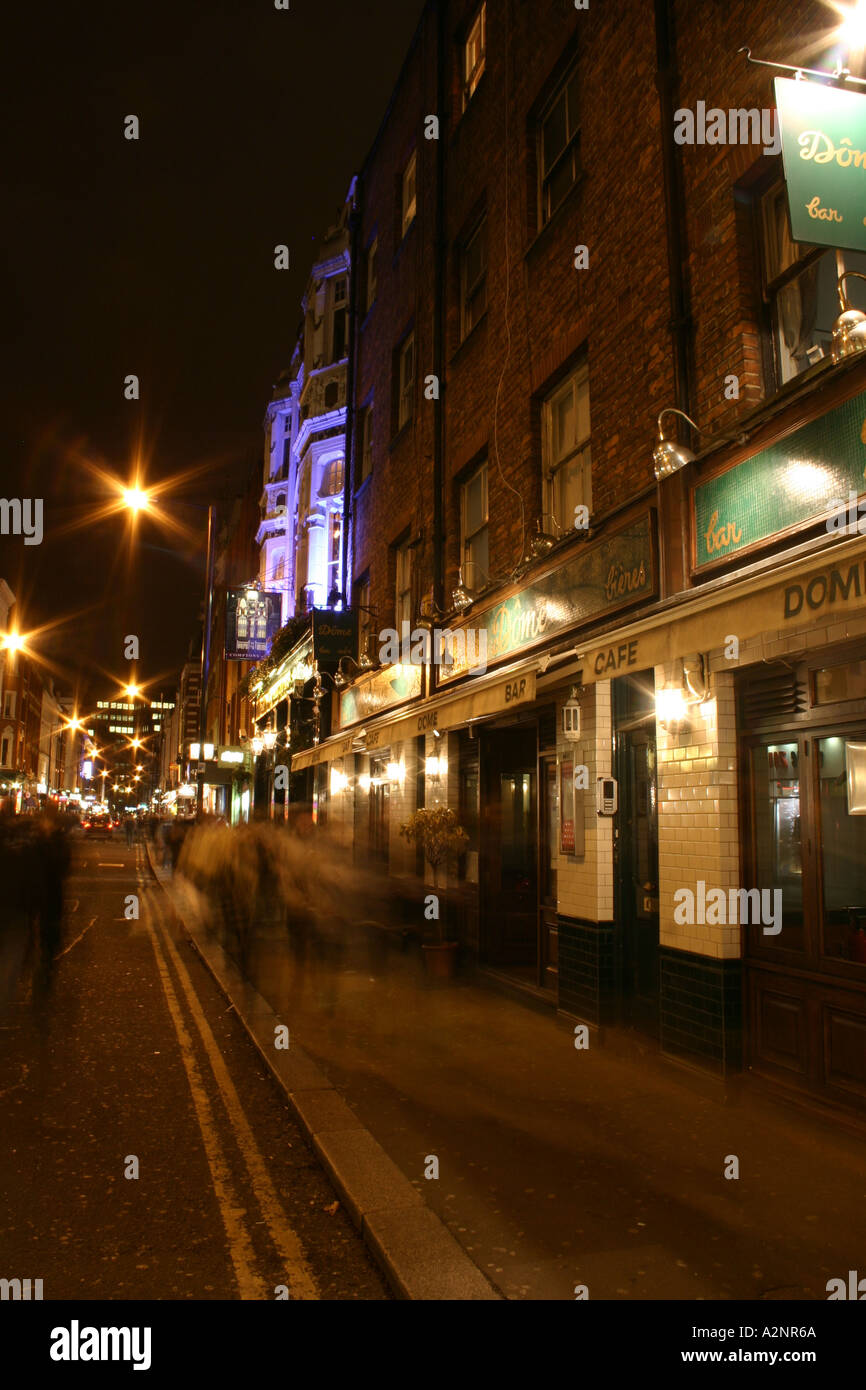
(824,154)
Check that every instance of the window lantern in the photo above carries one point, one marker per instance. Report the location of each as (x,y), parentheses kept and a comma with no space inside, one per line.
(571,716)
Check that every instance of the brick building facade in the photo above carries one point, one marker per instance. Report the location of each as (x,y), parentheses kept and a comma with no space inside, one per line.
(539,269)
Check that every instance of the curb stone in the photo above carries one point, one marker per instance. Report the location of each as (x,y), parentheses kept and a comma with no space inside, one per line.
(416,1252)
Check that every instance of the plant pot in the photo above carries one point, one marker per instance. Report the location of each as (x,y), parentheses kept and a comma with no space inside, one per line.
(440,959)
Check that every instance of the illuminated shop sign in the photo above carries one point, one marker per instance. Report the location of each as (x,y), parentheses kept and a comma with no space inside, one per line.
(252,623)
(797,480)
(824,154)
(599,580)
(372,694)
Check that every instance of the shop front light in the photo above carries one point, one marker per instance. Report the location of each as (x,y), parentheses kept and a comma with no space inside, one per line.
(671,707)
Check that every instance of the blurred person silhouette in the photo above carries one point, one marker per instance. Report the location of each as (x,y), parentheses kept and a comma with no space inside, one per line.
(50,866)
(16,914)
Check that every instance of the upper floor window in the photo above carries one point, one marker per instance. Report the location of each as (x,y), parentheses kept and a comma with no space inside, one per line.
(800,288)
(473,278)
(366,619)
(403,585)
(335,536)
(366,444)
(333,478)
(9,704)
(370,288)
(405,380)
(474,530)
(340,319)
(566,449)
(559,147)
(408,199)
(474,52)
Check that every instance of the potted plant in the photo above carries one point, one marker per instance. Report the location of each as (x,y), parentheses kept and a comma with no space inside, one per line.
(441,836)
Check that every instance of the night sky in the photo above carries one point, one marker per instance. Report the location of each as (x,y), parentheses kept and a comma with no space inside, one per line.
(155,257)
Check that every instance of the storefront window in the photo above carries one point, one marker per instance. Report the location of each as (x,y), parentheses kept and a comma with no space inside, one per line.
(843,852)
(778,854)
(836,683)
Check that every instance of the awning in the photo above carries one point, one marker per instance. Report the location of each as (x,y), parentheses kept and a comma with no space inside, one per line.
(446,712)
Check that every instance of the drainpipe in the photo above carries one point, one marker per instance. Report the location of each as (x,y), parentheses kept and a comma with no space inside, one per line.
(349,470)
(440,256)
(680,320)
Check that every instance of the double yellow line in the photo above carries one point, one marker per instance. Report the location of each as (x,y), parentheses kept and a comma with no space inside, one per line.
(295,1271)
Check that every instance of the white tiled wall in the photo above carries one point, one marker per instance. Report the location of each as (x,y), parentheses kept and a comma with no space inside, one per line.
(698,816)
(585,884)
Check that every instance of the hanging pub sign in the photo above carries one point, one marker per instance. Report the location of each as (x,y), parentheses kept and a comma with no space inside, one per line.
(252,623)
(334,634)
(824,154)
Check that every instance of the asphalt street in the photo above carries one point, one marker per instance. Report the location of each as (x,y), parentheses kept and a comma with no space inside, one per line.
(146,1153)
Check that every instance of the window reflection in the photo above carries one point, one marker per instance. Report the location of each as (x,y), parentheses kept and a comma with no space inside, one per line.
(843,839)
(778,856)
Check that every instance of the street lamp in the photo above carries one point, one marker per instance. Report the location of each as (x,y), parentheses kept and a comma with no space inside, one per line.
(136,499)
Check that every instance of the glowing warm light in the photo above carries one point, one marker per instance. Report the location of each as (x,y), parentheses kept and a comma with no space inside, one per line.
(852,29)
(135,499)
(132,691)
(671,705)
(13,642)
(339,781)
(364,781)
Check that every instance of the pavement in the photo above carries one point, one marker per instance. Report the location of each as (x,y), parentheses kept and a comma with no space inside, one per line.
(473,1142)
(145,1151)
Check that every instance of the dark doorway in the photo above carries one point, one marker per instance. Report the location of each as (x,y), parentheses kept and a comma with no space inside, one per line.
(636,849)
(508,843)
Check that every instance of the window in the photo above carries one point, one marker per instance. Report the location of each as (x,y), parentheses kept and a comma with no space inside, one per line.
(335,534)
(9,704)
(5,750)
(474,51)
(473,279)
(333,478)
(340,319)
(366,627)
(407,203)
(566,449)
(370,293)
(474,544)
(800,289)
(405,380)
(366,443)
(558,155)
(403,586)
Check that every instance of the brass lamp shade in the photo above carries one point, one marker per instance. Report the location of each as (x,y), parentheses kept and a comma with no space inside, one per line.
(849,330)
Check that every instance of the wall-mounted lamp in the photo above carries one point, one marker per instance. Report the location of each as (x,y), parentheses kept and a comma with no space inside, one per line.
(433,767)
(257,744)
(849,330)
(669,456)
(339,781)
(571,716)
(395,772)
(676,700)
(364,781)
(269,739)
(461,596)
